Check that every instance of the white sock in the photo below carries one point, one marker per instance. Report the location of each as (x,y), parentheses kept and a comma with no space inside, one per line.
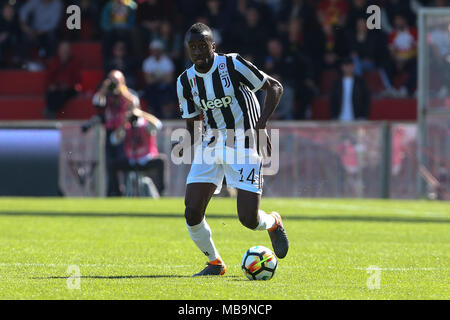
(201,235)
(265,221)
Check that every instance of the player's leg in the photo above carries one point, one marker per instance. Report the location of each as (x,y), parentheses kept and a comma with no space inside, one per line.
(256,219)
(246,176)
(197,198)
(249,213)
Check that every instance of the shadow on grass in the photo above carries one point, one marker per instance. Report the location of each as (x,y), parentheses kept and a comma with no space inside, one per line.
(156,276)
(351,218)
(118,277)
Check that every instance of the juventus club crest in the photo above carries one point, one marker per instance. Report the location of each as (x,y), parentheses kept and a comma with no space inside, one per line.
(224,76)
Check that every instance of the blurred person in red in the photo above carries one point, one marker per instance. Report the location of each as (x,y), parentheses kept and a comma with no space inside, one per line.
(114,99)
(137,132)
(63,80)
(403,53)
(332,12)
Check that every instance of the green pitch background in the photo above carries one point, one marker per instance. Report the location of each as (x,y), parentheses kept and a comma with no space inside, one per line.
(140,249)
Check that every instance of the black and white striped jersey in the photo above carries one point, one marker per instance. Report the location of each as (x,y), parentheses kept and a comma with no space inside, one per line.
(225,94)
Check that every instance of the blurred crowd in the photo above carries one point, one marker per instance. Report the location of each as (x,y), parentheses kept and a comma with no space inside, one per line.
(292,40)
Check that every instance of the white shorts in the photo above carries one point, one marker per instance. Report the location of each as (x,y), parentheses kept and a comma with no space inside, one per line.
(241,167)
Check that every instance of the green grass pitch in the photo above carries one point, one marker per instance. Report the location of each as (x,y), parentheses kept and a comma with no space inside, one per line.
(140,249)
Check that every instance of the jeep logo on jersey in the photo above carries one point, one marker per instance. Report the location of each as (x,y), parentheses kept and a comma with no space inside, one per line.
(216,103)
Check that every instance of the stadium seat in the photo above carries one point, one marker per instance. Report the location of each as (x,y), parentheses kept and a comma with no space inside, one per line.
(22,83)
(400,79)
(89,54)
(381,109)
(374,82)
(393,109)
(326,81)
(22,108)
(320,109)
(79,108)
(91,79)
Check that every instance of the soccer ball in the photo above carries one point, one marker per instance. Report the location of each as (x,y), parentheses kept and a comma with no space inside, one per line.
(259,263)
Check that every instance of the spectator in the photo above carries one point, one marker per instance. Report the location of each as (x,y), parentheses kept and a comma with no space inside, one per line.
(332,47)
(217,15)
(138,135)
(297,9)
(90,13)
(251,37)
(117,23)
(403,54)
(368,50)
(63,80)
(40,20)
(357,10)
(124,62)
(282,66)
(350,97)
(305,82)
(150,15)
(332,12)
(399,7)
(9,34)
(159,71)
(114,99)
(172,41)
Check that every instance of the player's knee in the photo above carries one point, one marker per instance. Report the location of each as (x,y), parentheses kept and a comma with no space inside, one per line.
(193,215)
(249,221)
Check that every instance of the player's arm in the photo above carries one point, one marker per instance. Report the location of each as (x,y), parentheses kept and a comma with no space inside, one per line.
(195,131)
(191,113)
(255,80)
(118,135)
(274,91)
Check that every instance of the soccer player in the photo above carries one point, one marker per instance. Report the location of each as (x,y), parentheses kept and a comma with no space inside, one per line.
(219,88)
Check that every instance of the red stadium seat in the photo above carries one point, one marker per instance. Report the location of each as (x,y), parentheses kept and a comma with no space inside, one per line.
(89,54)
(320,109)
(326,82)
(400,80)
(78,108)
(90,80)
(23,83)
(381,109)
(22,108)
(374,82)
(393,109)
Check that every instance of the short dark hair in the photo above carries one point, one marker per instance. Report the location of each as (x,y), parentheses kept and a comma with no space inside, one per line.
(199,28)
